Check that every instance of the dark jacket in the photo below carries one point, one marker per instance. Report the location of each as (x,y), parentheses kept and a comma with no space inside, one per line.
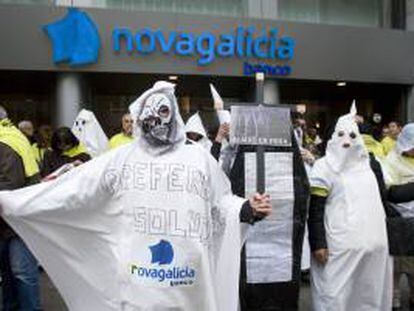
(53,160)
(12,176)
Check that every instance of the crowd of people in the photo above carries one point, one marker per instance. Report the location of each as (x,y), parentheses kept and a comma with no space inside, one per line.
(350,192)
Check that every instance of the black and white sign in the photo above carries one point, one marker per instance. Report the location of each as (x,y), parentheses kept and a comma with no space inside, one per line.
(260,125)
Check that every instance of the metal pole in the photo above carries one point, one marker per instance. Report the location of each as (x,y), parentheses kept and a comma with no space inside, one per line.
(260,161)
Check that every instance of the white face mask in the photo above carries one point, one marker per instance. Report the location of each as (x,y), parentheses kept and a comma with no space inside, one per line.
(346,147)
(156,119)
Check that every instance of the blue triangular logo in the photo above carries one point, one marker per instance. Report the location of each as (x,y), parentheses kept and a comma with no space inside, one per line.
(75,39)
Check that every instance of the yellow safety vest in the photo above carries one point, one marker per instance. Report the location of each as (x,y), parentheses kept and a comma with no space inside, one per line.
(12,137)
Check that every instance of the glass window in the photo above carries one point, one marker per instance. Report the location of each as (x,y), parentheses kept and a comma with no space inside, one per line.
(338,12)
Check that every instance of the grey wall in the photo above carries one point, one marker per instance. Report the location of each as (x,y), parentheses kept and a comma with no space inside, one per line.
(322,52)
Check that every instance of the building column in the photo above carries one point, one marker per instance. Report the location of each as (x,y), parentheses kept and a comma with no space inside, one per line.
(409,104)
(271,92)
(70,97)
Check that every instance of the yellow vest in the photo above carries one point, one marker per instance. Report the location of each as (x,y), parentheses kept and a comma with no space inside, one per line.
(388,143)
(12,137)
(119,140)
(374,146)
(39,153)
(77,150)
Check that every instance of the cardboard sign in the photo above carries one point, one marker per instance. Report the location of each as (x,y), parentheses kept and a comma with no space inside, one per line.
(260,125)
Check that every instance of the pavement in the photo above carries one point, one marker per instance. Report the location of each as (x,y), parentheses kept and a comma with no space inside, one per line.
(52,301)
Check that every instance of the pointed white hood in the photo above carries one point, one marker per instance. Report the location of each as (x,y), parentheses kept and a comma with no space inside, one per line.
(346,149)
(195,125)
(223,115)
(89,132)
(405,141)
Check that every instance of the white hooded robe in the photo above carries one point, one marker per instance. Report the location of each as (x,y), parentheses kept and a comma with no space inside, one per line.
(132,230)
(358,273)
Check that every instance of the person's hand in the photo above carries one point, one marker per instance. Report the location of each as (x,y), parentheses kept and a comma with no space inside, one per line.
(77,163)
(261,205)
(223,132)
(307,156)
(321,255)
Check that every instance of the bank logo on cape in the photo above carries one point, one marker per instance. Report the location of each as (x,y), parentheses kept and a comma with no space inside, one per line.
(162,253)
(163,269)
(75,39)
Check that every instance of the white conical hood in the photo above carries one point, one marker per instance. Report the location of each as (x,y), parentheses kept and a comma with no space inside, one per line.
(346,134)
(218,101)
(89,132)
(195,125)
(223,115)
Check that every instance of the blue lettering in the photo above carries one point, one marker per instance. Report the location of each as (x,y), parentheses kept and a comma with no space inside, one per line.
(285,52)
(249,41)
(226,46)
(185,45)
(118,35)
(257,47)
(249,69)
(241,43)
(205,47)
(139,38)
(273,40)
(165,44)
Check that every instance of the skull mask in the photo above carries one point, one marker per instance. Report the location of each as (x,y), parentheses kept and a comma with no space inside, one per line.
(156,119)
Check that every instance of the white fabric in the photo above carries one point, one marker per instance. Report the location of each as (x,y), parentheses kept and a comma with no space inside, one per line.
(337,156)
(269,256)
(89,132)
(224,116)
(92,230)
(195,125)
(358,274)
(399,170)
(218,101)
(405,140)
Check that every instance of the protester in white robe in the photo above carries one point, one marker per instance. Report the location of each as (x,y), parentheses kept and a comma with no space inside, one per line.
(89,132)
(351,268)
(152,225)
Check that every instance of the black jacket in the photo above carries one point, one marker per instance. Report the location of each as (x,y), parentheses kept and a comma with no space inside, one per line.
(12,176)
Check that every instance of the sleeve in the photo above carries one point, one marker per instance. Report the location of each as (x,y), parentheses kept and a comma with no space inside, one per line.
(69,224)
(84,157)
(74,190)
(320,188)
(12,174)
(316,226)
(228,237)
(320,181)
(215,150)
(401,193)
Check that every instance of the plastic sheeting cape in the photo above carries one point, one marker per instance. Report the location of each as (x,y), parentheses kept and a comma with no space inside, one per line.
(131,230)
(89,132)
(398,170)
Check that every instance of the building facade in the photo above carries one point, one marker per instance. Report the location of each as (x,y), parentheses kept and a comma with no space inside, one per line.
(318,55)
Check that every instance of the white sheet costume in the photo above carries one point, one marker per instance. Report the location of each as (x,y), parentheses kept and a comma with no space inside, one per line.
(143,227)
(89,132)
(358,273)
